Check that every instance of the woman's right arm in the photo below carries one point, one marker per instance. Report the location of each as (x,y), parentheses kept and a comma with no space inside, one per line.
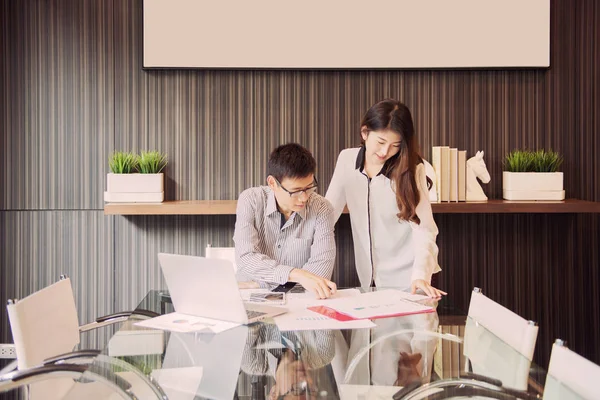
(336,193)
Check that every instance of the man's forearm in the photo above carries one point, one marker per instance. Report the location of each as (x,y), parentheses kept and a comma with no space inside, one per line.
(264,269)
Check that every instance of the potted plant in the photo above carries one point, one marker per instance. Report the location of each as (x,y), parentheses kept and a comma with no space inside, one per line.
(136,179)
(532,175)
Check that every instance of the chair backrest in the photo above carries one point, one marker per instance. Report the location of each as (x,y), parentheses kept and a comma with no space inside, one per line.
(44,324)
(514,330)
(225,253)
(498,342)
(571,376)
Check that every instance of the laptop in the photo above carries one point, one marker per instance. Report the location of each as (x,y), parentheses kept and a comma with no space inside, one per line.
(207,287)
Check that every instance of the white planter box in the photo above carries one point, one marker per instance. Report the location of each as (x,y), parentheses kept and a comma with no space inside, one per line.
(134,197)
(532,180)
(532,186)
(533,194)
(134,183)
(134,188)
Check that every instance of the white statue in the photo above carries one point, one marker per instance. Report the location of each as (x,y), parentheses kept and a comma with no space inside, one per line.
(476,169)
(430,172)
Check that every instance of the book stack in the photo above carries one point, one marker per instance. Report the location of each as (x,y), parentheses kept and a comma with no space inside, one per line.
(448,360)
(450,166)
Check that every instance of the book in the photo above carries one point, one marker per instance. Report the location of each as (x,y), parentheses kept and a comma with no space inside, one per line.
(436,163)
(448,361)
(453,161)
(462,175)
(445,174)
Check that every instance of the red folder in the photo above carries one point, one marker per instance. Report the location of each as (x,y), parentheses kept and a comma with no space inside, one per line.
(334,314)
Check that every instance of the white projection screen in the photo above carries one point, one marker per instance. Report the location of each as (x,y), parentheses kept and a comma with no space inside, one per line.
(346,34)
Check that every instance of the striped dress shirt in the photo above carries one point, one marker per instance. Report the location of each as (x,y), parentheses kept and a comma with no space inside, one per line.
(266,251)
(263,348)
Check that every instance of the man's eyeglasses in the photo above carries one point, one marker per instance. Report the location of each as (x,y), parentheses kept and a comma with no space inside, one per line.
(296,194)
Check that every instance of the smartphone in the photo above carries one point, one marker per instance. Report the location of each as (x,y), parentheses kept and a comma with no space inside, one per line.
(268,298)
(284,288)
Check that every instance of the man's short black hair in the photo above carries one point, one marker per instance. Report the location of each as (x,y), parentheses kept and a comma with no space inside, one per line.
(291,161)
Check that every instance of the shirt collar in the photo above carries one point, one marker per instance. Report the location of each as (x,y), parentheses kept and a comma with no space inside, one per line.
(386,170)
(271,203)
(272,206)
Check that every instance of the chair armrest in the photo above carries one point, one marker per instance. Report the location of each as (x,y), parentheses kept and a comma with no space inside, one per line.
(11,366)
(75,371)
(98,362)
(115,318)
(470,386)
(68,369)
(72,355)
(134,313)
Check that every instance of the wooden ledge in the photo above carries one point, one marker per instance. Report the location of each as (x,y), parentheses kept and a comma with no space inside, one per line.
(227,207)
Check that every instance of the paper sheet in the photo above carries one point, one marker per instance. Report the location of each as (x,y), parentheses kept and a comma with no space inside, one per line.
(177,322)
(377,304)
(298,318)
(304,320)
(302,300)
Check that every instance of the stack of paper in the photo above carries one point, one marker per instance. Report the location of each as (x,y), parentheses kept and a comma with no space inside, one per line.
(299,317)
(372,305)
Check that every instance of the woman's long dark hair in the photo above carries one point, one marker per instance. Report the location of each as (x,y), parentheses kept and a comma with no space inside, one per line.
(392,115)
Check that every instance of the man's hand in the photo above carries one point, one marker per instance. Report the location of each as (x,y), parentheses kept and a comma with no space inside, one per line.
(321,287)
(426,288)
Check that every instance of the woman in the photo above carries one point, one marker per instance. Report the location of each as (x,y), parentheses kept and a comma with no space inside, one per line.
(384,185)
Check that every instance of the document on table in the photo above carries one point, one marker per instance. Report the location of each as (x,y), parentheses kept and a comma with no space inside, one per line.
(303,300)
(177,322)
(299,318)
(306,320)
(379,304)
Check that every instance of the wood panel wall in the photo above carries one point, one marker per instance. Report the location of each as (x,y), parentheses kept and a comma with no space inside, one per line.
(73,90)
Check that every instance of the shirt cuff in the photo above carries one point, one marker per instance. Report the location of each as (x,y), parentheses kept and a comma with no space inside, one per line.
(421,275)
(281,274)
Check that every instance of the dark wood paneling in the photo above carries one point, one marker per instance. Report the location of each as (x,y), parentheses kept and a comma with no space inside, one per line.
(72,91)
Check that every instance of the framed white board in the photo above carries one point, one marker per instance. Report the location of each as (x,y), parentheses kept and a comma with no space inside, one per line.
(346,34)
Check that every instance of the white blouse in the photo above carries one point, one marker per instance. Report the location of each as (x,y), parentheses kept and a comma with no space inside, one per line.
(388,251)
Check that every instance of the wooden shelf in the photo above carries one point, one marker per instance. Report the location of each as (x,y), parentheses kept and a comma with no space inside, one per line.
(227,207)
(569,206)
(179,207)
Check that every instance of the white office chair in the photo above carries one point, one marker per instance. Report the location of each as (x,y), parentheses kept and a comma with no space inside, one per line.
(45,331)
(228,253)
(224,253)
(498,343)
(570,376)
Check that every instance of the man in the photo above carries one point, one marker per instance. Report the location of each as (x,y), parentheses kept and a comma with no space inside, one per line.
(284,231)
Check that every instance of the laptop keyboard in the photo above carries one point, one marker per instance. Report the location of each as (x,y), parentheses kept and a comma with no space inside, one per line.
(253,314)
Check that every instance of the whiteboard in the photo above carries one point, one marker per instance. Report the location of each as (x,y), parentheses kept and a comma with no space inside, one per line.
(346,34)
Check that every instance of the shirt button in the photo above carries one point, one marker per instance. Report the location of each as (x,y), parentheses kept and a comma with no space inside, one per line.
(278,246)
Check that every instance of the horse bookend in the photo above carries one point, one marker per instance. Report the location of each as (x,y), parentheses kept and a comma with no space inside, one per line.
(476,169)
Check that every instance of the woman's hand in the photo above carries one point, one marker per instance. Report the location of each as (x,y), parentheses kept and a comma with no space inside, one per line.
(426,288)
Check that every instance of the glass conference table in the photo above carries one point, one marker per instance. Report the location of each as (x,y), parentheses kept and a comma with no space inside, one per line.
(438,355)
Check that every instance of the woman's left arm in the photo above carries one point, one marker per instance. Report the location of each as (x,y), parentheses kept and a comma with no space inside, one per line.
(424,235)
